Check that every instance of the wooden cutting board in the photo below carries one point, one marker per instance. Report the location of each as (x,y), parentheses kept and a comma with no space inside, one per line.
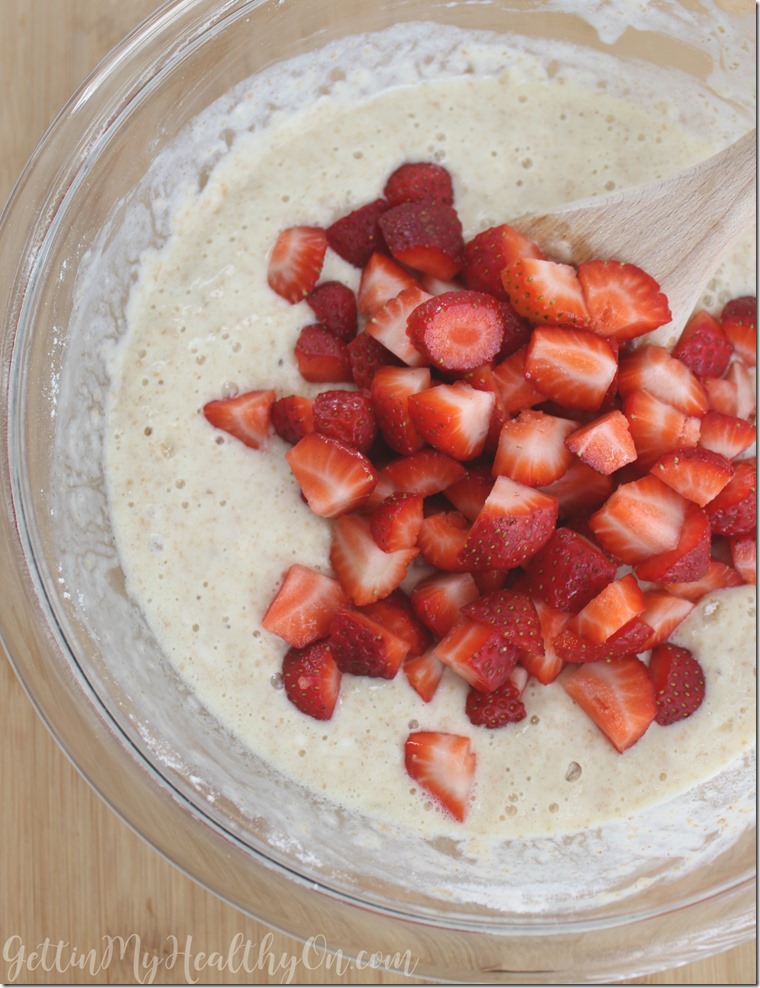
(72,871)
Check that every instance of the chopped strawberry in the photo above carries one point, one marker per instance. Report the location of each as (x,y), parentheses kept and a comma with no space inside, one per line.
(303,607)
(488,253)
(498,708)
(679,683)
(726,434)
(722,395)
(478,653)
(364,571)
(490,580)
(356,236)
(532,448)
(363,647)
(515,522)
(703,346)
(459,330)
(513,613)
(422,181)
(395,612)
(321,357)
(743,550)
(311,679)
(580,488)
(739,320)
(663,613)
(657,427)
(247,416)
(395,523)
(469,494)
(296,261)
(514,391)
(382,279)
(628,640)
(366,356)
(545,292)
(622,300)
(734,510)
(426,472)
(610,610)
(697,474)
(690,558)
(444,765)
(442,538)
(605,444)
(426,236)
(617,695)
(334,305)
(718,577)
(388,325)
(424,673)
(390,390)
(346,416)
(571,366)
(453,418)
(333,477)
(640,519)
(739,375)
(568,572)
(293,417)
(438,599)
(651,368)
(546,665)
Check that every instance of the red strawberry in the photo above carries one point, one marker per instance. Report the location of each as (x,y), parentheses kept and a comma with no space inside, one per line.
(247,416)
(390,390)
(609,611)
(739,319)
(515,522)
(421,181)
(395,523)
(718,577)
(722,395)
(691,556)
(545,666)
(441,539)
(617,695)
(726,434)
(488,253)
(580,488)
(571,366)
(363,647)
(303,607)
(622,300)
(496,709)
(703,346)
(532,448)
(364,571)
(679,683)
(321,357)
(514,391)
(333,477)
(444,765)
(628,640)
(459,330)
(605,444)
(568,572)
(663,613)
(438,599)
(743,380)
(657,427)
(697,474)
(545,292)
(366,356)
(426,472)
(382,279)
(469,494)
(478,653)
(296,261)
(357,236)
(453,418)
(388,325)
(312,679)
(395,613)
(293,417)
(334,305)
(743,550)
(513,613)
(426,236)
(651,368)
(734,510)
(346,416)
(424,673)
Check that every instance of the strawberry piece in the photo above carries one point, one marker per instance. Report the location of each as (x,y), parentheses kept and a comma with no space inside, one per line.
(382,279)
(247,416)
(513,613)
(703,346)
(568,572)
(743,550)
(426,472)
(722,395)
(424,673)
(651,368)
(363,647)
(739,321)
(609,611)
(496,709)
(515,522)
(441,540)
(364,571)
(438,599)
(579,489)
(302,609)
(719,576)
(663,613)
(388,325)
(334,305)
(293,417)
(459,330)
(734,510)
(296,261)
(488,253)
(623,301)
(617,695)
(390,390)
(478,653)
(366,356)
(444,765)
(311,679)
(453,418)
(321,357)
(333,477)
(690,558)
(395,523)
(746,399)
(628,640)
(657,427)
(697,474)
(514,391)
(604,444)
(422,181)
(640,519)
(679,683)
(532,448)
(425,236)
(571,366)
(469,494)
(356,236)
(726,434)
(545,292)
(395,613)
(347,416)
(546,665)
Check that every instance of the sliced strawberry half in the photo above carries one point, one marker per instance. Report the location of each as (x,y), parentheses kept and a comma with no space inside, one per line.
(382,279)
(734,510)
(697,474)
(333,477)
(321,357)
(689,560)
(356,236)
(739,321)
(390,391)
(419,181)
(296,261)
(363,647)
(247,417)
(679,683)
(438,599)
(293,417)
(388,325)
(478,653)
(488,253)
(568,572)
(532,449)
(347,416)
(663,613)
(513,613)
(571,366)
(364,571)
(496,709)
(623,301)
(426,237)
(311,679)
(426,472)
(726,434)
(424,673)
(657,427)
(610,610)
(444,765)
(545,292)
(453,418)
(605,444)
(459,330)
(395,523)
(703,346)
(514,391)
(651,368)
(442,538)
(304,606)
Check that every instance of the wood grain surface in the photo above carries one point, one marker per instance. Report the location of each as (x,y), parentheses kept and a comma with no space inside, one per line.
(71,870)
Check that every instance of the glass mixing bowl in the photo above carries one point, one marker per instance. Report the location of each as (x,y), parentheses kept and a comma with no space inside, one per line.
(85,652)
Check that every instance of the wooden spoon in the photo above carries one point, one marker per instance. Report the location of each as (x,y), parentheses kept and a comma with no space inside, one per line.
(676,230)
